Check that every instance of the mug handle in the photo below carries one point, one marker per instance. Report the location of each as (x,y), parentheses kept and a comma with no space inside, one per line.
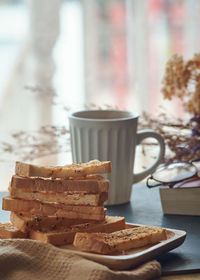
(142,134)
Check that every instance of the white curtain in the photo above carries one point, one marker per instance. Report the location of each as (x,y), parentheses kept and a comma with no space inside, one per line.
(90,52)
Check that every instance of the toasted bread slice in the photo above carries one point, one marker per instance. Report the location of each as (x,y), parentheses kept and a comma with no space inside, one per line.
(107,243)
(110,224)
(7,230)
(24,222)
(88,184)
(74,170)
(66,235)
(34,207)
(68,198)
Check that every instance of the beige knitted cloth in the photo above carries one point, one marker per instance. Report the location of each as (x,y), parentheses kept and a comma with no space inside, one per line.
(28,260)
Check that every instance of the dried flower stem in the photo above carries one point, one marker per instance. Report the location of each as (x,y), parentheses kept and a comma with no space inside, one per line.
(182,79)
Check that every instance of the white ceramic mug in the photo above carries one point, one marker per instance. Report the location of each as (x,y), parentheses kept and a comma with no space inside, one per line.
(112,135)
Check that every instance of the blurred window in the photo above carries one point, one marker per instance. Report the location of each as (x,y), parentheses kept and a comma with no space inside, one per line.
(59,55)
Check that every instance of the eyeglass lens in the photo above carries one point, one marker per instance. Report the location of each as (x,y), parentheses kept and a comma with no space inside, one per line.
(174,172)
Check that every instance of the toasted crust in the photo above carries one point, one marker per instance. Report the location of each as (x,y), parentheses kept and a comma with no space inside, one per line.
(66,235)
(89,184)
(74,170)
(73,198)
(55,238)
(120,240)
(7,230)
(24,222)
(53,209)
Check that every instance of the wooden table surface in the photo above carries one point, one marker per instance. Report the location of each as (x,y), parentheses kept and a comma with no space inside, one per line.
(188,276)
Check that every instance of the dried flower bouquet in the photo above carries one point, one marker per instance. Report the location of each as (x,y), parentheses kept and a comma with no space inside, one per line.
(182,80)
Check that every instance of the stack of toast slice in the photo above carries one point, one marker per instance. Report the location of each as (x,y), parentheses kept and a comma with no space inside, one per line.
(65,204)
(51,204)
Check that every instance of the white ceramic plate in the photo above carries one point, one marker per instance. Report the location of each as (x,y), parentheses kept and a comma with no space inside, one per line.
(135,257)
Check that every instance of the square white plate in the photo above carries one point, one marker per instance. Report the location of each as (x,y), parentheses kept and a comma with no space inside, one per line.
(135,257)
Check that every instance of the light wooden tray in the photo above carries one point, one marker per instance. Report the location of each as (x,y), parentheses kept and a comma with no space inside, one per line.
(135,257)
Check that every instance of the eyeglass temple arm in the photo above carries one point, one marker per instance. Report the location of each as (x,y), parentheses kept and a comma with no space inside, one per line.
(152,186)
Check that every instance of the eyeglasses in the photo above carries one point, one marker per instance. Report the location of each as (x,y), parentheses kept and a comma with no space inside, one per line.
(173,173)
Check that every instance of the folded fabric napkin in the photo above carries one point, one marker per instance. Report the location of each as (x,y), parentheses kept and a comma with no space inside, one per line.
(22,259)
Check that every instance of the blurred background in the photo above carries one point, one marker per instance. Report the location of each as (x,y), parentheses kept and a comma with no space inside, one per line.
(60,56)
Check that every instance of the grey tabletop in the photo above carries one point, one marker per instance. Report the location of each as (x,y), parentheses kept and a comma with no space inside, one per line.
(145,208)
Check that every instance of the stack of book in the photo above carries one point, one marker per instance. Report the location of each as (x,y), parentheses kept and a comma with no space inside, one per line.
(183,198)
